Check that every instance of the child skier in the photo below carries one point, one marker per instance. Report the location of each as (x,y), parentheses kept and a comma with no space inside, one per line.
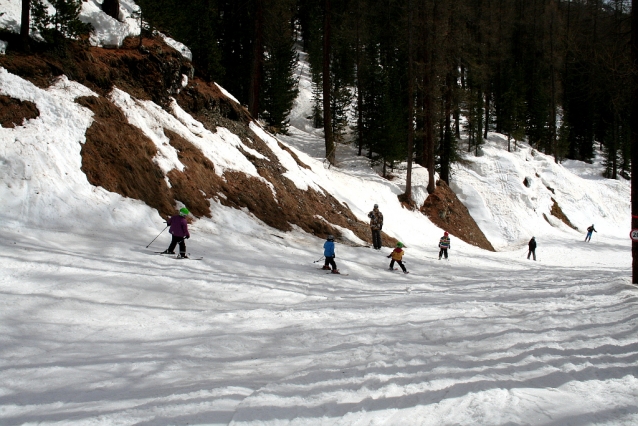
(396,256)
(179,231)
(444,244)
(589,232)
(329,253)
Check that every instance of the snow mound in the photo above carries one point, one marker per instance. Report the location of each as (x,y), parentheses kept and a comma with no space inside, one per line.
(108,32)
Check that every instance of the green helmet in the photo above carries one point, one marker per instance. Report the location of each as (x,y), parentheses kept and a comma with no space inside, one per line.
(399,244)
(183,211)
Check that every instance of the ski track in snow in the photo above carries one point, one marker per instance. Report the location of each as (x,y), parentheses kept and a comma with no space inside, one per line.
(109,333)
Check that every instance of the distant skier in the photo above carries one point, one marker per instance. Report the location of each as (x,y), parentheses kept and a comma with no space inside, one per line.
(329,253)
(376,224)
(179,231)
(397,256)
(532,248)
(444,245)
(589,232)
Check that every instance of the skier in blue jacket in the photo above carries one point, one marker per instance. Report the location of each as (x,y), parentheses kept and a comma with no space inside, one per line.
(329,253)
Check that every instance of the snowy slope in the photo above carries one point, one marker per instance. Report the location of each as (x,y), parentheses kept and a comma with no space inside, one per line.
(97,330)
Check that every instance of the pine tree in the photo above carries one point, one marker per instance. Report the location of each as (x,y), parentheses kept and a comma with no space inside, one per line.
(62,24)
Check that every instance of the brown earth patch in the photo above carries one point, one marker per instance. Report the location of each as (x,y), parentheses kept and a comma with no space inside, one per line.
(556,211)
(291,206)
(151,72)
(205,102)
(13,111)
(118,157)
(445,210)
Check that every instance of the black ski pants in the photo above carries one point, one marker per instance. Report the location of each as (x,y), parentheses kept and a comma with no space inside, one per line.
(178,240)
(331,260)
(399,262)
(376,238)
(532,252)
(442,252)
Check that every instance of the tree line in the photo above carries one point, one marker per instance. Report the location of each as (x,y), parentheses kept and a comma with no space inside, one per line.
(402,78)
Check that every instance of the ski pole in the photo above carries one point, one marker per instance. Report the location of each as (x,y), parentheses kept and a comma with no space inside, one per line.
(157,236)
(319,260)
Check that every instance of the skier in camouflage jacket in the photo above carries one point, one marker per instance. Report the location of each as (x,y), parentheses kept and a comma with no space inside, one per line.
(376,224)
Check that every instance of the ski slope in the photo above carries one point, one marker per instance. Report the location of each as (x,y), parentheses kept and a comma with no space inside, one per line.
(96,329)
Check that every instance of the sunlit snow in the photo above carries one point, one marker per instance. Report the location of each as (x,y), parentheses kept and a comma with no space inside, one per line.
(97,329)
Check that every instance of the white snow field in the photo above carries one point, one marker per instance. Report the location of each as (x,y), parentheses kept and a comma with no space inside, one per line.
(95,329)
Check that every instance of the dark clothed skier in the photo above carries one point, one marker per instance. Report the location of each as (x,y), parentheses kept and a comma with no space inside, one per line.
(376,224)
(589,232)
(397,256)
(444,245)
(329,253)
(179,230)
(532,248)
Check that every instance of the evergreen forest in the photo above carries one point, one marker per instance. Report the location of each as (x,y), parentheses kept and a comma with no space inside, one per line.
(401,79)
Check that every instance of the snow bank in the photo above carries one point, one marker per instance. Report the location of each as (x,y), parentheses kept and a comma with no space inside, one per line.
(107,31)
(110,32)
(42,184)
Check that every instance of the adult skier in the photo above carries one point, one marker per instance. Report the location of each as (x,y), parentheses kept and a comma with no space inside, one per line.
(532,248)
(397,256)
(376,224)
(179,231)
(444,245)
(589,232)
(329,253)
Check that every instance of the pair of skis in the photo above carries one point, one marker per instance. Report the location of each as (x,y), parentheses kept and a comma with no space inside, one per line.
(188,256)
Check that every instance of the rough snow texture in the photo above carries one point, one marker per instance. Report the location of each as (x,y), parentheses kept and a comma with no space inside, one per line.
(95,329)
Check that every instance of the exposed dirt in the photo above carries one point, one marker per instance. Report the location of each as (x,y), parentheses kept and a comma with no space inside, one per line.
(151,72)
(558,212)
(445,210)
(13,112)
(118,157)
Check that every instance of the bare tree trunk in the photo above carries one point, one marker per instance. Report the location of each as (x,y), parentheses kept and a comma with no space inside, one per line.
(634,139)
(408,180)
(428,124)
(327,114)
(112,8)
(552,119)
(25,23)
(359,92)
(487,113)
(258,60)
(446,149)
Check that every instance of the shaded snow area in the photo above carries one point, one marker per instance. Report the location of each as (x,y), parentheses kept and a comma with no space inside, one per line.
(96,329)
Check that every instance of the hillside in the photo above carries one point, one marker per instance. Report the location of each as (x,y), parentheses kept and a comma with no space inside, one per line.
(95,328)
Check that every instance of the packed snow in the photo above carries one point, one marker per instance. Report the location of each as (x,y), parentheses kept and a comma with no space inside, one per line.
(96,329)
